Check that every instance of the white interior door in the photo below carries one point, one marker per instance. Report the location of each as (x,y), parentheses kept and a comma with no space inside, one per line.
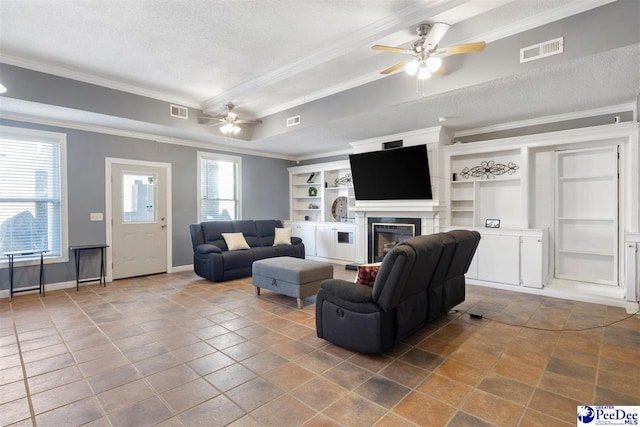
(587,215)
(139,217)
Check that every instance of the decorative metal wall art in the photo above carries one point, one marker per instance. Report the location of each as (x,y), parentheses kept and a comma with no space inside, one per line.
(344,181)
(489,170)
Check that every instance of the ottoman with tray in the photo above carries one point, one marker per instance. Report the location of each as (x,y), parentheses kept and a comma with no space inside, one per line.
(294,277)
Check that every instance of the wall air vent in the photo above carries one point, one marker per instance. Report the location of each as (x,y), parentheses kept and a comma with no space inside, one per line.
(293,121)
(542,50)
(179,112)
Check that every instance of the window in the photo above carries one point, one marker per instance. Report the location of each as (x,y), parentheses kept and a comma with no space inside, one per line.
(219,189)
(32,191)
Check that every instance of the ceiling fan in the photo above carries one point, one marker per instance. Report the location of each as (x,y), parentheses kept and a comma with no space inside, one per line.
(427,57)
(230,122)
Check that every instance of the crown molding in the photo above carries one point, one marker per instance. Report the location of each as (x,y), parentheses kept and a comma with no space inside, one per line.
(96,80)
(108,130)
(547,119)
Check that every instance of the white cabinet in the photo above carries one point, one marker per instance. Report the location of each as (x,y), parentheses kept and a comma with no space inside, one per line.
(323,241)
(511,257)
(533,261)
(499,259)
(336,242)
(321,200)
(307,233)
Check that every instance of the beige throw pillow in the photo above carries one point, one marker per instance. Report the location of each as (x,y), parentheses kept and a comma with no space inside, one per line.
(283,236)
(235,241)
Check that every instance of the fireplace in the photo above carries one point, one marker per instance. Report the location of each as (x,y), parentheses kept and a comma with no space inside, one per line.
(385,233)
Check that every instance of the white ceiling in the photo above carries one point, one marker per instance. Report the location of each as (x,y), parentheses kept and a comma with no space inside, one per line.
(277,56)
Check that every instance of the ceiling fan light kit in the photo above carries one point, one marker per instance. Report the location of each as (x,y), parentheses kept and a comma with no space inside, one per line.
(427,57)
(229,122)
(229,128)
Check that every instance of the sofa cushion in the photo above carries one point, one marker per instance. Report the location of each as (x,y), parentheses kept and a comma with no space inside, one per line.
(266,230)
(282,236)
(235,241)
(234,260)
(248,230)
(212,232)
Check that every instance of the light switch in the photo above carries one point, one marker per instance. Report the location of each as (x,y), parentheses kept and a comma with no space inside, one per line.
(96,216)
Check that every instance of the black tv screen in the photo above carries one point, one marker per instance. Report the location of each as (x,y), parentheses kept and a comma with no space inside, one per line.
(393,174)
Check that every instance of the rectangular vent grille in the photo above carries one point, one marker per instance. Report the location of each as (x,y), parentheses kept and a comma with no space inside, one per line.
(293,121)
(392,144)
(542,50)
(179,112)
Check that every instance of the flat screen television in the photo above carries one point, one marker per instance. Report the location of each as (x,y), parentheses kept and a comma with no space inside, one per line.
(393,174)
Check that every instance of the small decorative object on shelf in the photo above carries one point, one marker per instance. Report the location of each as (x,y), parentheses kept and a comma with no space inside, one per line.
(344,181)
(492,223)
(312,206)
(340,208)
(489,170)
(311,178)
(313,191)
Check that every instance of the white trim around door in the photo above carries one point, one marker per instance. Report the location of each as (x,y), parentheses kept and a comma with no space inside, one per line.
(109,162)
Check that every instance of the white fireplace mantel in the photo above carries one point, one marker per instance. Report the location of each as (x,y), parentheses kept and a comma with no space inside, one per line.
(426,210)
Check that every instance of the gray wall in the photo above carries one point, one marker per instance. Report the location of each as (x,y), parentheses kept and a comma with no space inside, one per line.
(265,193)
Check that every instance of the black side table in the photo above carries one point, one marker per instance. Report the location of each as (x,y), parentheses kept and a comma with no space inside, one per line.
(13,254)
(78,251)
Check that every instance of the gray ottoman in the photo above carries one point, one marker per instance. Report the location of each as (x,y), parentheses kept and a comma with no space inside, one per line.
(294,277)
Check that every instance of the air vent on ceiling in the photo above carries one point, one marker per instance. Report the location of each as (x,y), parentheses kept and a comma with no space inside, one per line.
(179,112)
(542,50)
(293,121)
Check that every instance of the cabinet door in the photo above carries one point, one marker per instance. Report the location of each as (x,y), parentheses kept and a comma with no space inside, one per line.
(499,259)
(324,242)
(531,262)
(308,235)
(345,247)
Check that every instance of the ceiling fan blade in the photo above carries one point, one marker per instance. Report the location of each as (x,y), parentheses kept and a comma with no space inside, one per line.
(394,67)
(461,48)
(437,32)
(249,122)
(211,118)
(391,49)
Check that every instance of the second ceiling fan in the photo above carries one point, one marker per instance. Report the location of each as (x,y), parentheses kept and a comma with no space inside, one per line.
(229,122)
(427,56)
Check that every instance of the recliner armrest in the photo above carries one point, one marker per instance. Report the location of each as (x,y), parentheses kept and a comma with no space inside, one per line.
(348,291)
(295,240)
(208,249)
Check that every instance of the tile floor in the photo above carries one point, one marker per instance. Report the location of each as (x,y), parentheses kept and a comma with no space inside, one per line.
(175,350)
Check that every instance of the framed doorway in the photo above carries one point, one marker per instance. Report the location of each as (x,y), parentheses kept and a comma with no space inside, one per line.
(138,217)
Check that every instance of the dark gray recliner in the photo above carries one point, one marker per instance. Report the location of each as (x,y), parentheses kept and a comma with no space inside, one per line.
(419,280)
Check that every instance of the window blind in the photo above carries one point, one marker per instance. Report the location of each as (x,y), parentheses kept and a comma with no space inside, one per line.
(30,194)
(218,188)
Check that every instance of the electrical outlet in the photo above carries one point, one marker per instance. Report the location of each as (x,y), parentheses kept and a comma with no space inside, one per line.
(96,216)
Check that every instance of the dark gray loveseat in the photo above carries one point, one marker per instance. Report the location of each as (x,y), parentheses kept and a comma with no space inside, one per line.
(212,259)
(419,280)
